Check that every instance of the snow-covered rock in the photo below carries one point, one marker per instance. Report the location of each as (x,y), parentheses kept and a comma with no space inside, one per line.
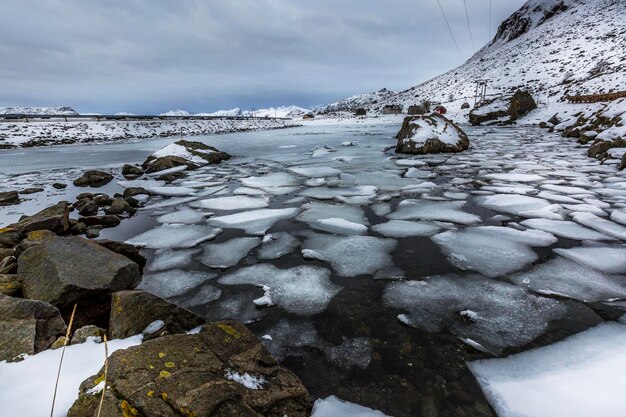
(503,109)
(430,134)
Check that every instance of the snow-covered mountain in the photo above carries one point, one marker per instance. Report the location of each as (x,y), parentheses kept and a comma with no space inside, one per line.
(38,110)
(551,47)
(366,100)
(223,113)
(176,113)
(283,111)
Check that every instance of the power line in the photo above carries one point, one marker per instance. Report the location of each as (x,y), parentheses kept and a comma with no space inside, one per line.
(450,30)
(489,21)
(468,25)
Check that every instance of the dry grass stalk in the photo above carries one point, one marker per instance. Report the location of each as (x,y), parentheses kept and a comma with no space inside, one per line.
(67,339)
(106,369)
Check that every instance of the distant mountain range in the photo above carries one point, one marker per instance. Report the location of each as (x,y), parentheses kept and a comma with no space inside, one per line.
(38,110)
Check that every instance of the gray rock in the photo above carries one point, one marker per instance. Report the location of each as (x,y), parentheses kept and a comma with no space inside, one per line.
(9,284)
(9,198)
(59,186)
(208,153)
(196,375)
(504,109)
(132,311)
(93,179)
(131,171)
(119,206)
(32,190)
(27,326)
(54,218)
(89,208)
(64,270)
(81,335)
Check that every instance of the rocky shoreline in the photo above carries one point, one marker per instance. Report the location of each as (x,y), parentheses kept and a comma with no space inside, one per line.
(51,278)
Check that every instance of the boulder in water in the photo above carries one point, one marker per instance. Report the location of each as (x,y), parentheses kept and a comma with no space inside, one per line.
(93,179)
(430,134)
(184,153)
(503,110)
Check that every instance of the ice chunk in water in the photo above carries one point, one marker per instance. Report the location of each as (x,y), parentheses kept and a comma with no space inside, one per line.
(277,183)
(381,209)
(183,216)
(352,255)
(506,315)
(170,191)
(315,172)
(566,229)
(567,278)
(248,191)
(325,193)
(239,202)
(411,162)
(514,177)
(491,250)
(229,253)
(601,225)
(419,173)
(174,236)
(302,290)
(402,228)
(609,259)
(278,245)
(339,226)
(169,259)
(513,203)
(351,352)
(619,216)
(254,222)
(588,208)
(288,335)
(580,376)
(335,407)
(322,150)
(448,211)
(316,211)
(174,283)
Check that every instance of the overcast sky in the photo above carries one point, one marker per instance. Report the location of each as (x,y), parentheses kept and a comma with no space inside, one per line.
(150,56)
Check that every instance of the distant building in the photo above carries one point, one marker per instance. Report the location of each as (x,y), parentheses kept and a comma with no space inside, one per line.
(360,112)
(392,109)
(441,110)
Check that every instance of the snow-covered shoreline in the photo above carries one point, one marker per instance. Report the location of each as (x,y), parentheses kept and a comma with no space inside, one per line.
(46,133)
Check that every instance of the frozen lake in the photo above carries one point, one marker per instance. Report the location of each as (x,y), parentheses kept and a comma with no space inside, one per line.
(373,276)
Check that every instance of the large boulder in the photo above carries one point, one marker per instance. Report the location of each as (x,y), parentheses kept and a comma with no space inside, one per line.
(54,218)
(66,270)
(503,109)
(27,326)
(9,198)
(132,311)
(93,179)
(184,152)
(131,172)
(222,371)
(430,134)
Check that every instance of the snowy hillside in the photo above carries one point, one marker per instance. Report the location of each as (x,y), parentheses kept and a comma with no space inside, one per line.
(38,110)
(552,47)
(223,113)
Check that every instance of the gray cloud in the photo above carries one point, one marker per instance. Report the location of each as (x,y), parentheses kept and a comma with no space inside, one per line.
(153,55)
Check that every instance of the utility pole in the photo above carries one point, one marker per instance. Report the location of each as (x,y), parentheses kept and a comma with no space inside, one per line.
(480,94)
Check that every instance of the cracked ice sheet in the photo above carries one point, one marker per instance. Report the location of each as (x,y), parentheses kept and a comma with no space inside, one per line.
(581,376)
(567,278)
(501,315)
(315,172)
(601,225)
(448,211)
(229,253)
(312,212)
(339,226)
(174,236)
(520,205)
(239,202)
(277,245)
(303,290)
(491,250)
(169,259)
(325,193)
(566,229)
(608,259)
(350,255)
(277,183)
(182,216)
(254,222)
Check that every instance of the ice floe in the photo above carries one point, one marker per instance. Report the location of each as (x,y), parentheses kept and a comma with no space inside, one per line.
(238,202)
(581,376)
(174,236)
(566,229)
(350,255)
(609,259)
(175,282)
(339,226)
(601,225)
(403,228)
(449,211)
(229,253)
(169,259)
(505,314)
(277,245)
(561,276)
(182,216)
(254,222)
(491,250)
(302,290)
